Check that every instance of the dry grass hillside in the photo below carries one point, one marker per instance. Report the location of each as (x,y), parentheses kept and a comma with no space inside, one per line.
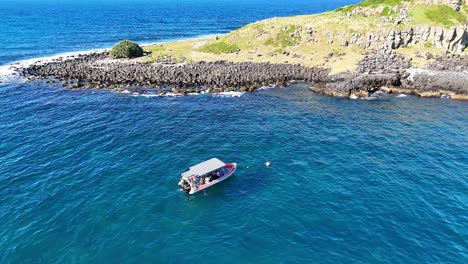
(321,39)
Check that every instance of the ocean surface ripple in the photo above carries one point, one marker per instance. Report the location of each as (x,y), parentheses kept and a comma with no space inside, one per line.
(91,176)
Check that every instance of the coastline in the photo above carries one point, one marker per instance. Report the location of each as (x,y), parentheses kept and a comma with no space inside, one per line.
(97,71)
(10,68)
(275,51)
(364,161)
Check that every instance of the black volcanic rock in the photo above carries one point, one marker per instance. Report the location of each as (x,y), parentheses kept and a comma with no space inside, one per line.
(90,71)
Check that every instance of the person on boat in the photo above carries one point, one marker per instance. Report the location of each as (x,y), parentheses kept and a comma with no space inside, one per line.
(215,175)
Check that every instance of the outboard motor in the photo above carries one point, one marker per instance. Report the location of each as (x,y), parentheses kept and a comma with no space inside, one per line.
(186,187)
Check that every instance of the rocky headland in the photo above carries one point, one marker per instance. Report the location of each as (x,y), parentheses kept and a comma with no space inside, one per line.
(414,47)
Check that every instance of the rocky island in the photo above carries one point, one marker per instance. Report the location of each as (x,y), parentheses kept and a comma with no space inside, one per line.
(393,46)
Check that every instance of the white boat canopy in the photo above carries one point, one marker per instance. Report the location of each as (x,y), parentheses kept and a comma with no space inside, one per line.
(204,167)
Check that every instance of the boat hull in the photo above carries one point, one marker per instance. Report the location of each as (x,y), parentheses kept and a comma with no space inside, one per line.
(232,168)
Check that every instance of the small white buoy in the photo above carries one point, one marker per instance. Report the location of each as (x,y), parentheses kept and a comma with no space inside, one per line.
(267,164)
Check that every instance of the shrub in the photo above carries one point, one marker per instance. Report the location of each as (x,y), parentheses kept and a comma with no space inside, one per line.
(219,47)
(126,49)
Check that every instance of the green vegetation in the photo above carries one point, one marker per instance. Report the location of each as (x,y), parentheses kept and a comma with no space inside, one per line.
(258,28)
(444,15)
(269,41)
(219,47)
(157,48)
(428,45)
(370,3)
(126,49)
(285,38)
(310,39)
(385,11)
(346,9)
(374,3)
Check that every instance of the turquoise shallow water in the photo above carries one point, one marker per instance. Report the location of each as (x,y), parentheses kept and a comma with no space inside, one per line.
(92,177)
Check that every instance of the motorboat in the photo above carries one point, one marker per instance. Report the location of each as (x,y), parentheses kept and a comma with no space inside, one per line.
(205,174)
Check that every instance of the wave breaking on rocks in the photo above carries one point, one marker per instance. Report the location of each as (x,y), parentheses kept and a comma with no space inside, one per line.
(380,70)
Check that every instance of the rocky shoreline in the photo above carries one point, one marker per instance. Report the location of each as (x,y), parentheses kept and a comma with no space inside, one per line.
(381,70)
(97,71)
(389,72)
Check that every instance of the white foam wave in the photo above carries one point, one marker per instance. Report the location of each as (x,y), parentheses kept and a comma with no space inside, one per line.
(401,95)
(7,71)
(172,94)
(161,95)
(374,96)
(229,94)
(263,88)
(146,95)
(149,95)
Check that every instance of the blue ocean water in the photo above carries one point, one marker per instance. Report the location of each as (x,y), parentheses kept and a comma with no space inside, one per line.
(34,28)
(91,176)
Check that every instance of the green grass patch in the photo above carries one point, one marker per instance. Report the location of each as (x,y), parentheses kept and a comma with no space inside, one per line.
(269,41)
(281,50)
(154,48)
(385,11)
(370,3)
(346,9)
(388,12)
(444,15)
(465,8)
(219,47)
(284,38)
(374,3)
(257,27)
(428,45)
